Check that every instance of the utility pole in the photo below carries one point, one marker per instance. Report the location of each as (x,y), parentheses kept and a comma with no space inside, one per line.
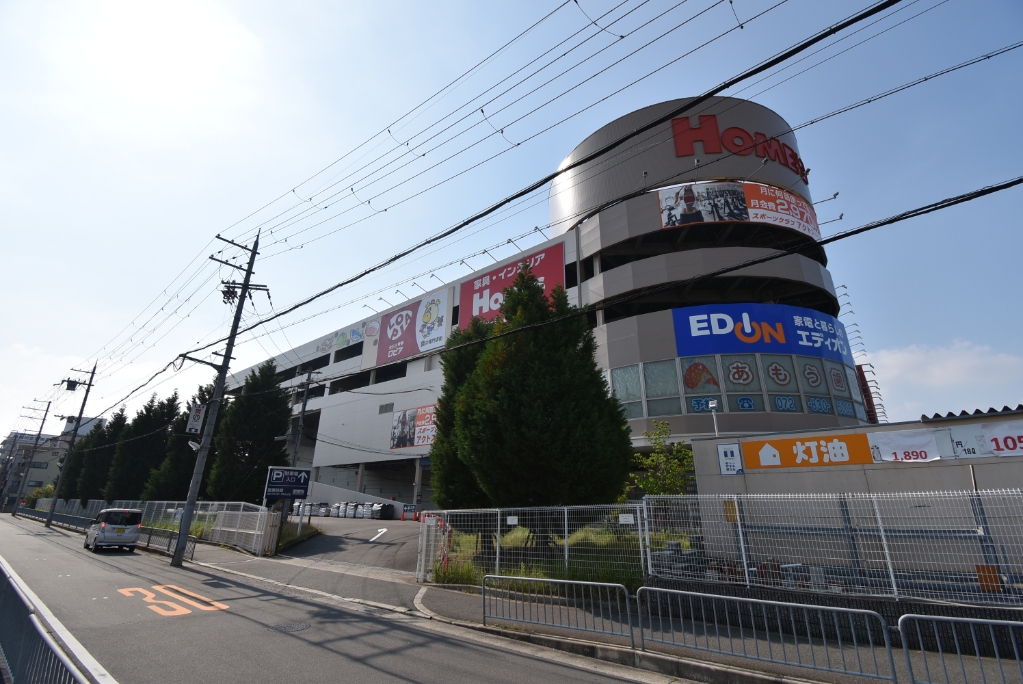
(218,394)
(298,440)
(28,464)
(67,455)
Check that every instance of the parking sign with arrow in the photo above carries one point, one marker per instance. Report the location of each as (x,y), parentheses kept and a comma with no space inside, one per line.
(287,483)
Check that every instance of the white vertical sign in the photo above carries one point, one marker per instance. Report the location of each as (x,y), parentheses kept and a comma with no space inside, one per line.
(195,415)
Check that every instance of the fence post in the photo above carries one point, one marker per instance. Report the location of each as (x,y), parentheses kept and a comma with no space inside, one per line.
(884,544)
(497,562)
(646,527)
(742,541)
(566,540)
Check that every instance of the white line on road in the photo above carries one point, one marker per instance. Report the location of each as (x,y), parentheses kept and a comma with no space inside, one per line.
(380,533)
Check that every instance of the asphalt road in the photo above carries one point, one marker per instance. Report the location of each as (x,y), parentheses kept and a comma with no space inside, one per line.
(203,624)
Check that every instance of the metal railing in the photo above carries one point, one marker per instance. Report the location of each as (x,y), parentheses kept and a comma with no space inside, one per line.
(583,606)
(28,654)
(838,640)
(157,539)
(961,650)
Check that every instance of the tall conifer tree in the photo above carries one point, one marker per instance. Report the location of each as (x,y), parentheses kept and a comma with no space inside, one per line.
(170,481)
(96,462)
(245,438)
(142,448)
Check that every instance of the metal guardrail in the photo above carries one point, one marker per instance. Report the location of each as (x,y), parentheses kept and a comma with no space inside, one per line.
(961,650)
(152,538)
(584,606)
(28,655)
(839,640)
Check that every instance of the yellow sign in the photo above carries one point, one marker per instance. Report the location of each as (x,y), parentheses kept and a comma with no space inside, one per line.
(832,450)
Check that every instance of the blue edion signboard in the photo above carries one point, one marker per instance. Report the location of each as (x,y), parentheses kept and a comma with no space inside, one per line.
(759,328)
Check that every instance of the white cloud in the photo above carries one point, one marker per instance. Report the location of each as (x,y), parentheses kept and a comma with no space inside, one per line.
(962,376)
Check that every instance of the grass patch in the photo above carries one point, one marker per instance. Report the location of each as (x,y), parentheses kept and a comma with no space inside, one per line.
(289,535)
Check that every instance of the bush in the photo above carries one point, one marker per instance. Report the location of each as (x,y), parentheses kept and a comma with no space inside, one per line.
(36,494)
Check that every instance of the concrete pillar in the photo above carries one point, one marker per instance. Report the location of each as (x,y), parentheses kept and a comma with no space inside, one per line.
(418,485)
(362,473)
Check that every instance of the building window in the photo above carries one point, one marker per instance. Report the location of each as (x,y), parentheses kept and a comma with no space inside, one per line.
(393,372)
(349,352)
(700,383)
(742,382)
(351,382)
(35,483)
(661,380)
(625,384)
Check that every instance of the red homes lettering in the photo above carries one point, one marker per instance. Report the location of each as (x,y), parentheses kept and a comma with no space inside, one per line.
(735,140)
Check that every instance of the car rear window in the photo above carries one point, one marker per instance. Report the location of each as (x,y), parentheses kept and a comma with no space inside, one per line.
(124,517)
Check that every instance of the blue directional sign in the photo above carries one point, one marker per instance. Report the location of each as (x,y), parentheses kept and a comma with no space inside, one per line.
(287,483)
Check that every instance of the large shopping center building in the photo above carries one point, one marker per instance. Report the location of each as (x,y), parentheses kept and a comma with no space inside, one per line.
(755,350)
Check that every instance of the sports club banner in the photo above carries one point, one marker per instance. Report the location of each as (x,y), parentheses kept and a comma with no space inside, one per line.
(414,427)
(421,326)
(483,295)
(759,328)
(717,202)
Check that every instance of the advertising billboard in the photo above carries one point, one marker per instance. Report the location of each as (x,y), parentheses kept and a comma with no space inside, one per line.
(413,427)
(835,450)
(483,295)
(749,202)
(348,336)
(763,328)
(417,327)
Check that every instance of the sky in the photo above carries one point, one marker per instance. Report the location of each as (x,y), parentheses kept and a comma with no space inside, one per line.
(133,133)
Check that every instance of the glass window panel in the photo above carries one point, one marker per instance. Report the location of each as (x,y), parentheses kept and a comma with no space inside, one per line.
(664,407)
(633,410)
(861,413)
(811,374)
(702,404)
(661,379)
(625,382)
(854,383)
(778,373)
(741,373)
(745,403)
(700,375)
(819,405)
(785,403)
(837,381)
(845,408)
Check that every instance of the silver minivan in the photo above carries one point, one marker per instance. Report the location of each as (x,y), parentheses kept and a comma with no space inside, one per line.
(114,527)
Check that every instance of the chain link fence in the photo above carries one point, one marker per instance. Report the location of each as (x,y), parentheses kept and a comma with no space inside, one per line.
(585,543)
(232,523)
(961,547)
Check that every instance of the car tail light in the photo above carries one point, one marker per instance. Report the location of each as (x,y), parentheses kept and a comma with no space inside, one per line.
(103,525)
(140,526)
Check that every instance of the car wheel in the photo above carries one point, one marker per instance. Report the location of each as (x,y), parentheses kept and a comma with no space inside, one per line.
(95,547)
(131,549)
(86,544)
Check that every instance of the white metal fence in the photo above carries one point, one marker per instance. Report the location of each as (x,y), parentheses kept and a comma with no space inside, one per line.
(232,523)
(586,543)
(962,547)
(959,651)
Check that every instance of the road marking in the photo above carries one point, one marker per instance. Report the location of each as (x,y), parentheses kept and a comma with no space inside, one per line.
(211,604)
(380,533)
(169,608)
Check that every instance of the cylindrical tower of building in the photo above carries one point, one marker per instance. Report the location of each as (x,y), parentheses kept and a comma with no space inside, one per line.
(761,347)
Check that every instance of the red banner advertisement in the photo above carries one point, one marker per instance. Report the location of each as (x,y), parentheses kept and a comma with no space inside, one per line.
(414,427)
(483,295)
(417,327)
(732,201)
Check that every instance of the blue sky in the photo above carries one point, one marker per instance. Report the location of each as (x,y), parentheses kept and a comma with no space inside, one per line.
(130,134)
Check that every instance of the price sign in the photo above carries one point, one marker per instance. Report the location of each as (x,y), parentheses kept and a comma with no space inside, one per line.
(904,446)
(1004,439)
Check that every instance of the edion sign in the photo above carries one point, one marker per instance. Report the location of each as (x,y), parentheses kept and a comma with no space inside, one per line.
(483,295)
(734,139)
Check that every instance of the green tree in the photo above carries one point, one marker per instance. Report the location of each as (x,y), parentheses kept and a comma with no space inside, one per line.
(142,448)
(668,468)
(454,484)
(535,420)
(170,481)
(74,461)
(245,438)
(97,457)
